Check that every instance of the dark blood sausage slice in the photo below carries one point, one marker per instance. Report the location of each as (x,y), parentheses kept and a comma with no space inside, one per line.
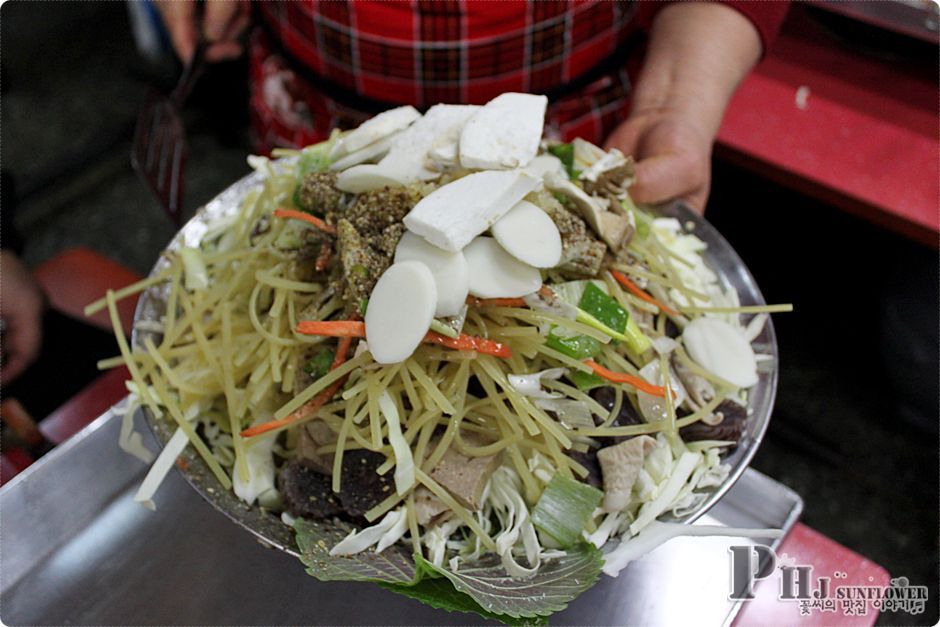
(605,397)
(729,429)
(588,459)
(628,415)
(362,488)
(307,493)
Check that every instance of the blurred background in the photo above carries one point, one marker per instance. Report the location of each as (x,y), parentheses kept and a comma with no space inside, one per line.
(799,190)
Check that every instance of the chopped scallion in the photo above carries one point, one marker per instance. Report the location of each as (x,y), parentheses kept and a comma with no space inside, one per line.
(564,509)
(603,307)
(565,153)
(578,347)
(439,327)
(585,381)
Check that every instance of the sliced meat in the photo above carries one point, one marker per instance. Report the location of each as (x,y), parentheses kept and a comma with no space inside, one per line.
(581,252)
(366,242)
(612,183)
(374,212)
(465,477)
(361,266)
(729,429)
(318,193)
(307,493)
(621,465)
(699,389)
(429,508)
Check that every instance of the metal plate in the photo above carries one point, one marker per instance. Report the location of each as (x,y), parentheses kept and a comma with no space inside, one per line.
(77,550)
(720,257)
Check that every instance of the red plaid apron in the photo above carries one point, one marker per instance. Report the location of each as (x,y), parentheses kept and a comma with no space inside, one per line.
(319,65)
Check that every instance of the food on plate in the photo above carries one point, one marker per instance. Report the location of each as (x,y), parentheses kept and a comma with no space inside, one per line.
(447,350)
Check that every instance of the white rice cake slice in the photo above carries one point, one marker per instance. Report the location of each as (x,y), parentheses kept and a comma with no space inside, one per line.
(374,129)
(452,215)
(505,133)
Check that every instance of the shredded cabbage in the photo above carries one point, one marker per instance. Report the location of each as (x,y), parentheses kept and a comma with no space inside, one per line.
(197,277)
(260,462)
(385,533)
(157,473)
(531,384)
(130,440)
(404,462)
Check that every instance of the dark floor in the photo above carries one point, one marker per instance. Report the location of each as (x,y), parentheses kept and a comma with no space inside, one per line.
(855,427)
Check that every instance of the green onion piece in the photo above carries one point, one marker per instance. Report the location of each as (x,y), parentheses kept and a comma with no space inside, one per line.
(628,204)
(636,341)
(439,327)
(363,305)
(585,381)
(644,221)
(565,152)
(320,364)
(603,307)
(577,347)
(290,237)
(564,509)
(561,198)
(315,158)
(586,318)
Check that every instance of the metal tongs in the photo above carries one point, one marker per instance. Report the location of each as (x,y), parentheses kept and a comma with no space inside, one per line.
(160,147)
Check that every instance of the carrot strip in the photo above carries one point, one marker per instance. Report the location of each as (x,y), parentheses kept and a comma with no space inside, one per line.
(332,328)
(342,352)
(298,414)
(495,302)
(470,343)
(354,328)
(348,329)
(633,287)
(323,258)
(306,217)
(311,406)
(460,343)
(622,377)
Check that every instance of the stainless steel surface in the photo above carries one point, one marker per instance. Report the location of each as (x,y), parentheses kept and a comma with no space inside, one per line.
(77,550)
(719,256)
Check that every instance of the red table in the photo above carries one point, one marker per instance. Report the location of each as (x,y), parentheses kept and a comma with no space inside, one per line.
(73,279)
(862,135)
(809,547)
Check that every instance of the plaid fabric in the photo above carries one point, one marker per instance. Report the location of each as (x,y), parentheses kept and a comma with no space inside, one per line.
(314,63)
(333,63)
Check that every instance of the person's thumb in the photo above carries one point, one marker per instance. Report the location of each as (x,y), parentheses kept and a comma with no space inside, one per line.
(625,137)
(667,176)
